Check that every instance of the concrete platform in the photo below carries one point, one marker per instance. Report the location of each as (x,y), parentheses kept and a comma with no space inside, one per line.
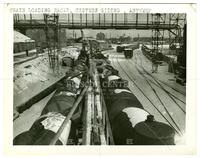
(33,80)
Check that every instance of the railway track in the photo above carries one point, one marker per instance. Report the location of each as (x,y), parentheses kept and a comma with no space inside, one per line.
(164,83)
(157,83)
(155,92)
(175,126)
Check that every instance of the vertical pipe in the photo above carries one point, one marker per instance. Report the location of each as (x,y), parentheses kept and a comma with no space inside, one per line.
(124,18)
(99,18)
(152,43)
(104,19)
(112,19)
(184,46)
(72,19)
(31,19)
(169,33)
(81,19)
(136,19)
(116,19)
(93,19)
(86,18)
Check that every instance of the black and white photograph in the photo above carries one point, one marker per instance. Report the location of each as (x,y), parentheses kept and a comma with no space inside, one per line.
(99,79)
(101,76)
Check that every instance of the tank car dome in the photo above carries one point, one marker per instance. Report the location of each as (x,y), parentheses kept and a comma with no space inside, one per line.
(151,132)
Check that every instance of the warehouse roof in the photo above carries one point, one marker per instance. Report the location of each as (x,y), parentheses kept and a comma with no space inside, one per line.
(19,37)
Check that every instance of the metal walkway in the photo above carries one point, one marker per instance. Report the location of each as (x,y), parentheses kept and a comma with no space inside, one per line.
(91,25)
(95,21)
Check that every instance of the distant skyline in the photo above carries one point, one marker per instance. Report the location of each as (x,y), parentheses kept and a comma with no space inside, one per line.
(112,33)
(109,33)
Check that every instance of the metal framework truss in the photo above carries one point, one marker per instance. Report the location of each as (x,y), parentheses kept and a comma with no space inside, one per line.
(52,38)
(157,33)
(169,25)
(176,35)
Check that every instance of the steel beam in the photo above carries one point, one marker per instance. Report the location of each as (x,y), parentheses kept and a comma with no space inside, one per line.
(141,26)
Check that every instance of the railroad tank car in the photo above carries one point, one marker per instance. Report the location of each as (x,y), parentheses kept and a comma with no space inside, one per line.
(131,124)
(54,113)
(120,48)
(52,116)
(100,44)
(129,119)
(67,61)
(128,53)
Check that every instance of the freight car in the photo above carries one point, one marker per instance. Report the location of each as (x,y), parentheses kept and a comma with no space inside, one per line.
(126,48)
(128,53)
(100,44)
(55,111)
(120,48)
(146,51)
(151,54)
(132,46)
(131,124)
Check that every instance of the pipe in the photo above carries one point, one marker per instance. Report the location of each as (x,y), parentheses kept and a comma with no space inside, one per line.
(99,108)
(88,118)
(65,122)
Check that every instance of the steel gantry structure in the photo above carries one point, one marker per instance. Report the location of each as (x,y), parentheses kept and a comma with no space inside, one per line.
(95,21)
(52,39)
(175,35)
(158,33)
(176,40)
(160,24)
